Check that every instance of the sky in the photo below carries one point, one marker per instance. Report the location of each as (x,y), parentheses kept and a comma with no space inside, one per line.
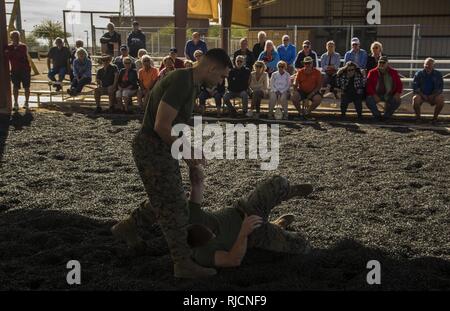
(34,11)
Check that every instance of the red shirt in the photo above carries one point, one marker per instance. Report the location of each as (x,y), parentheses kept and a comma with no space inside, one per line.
(18,57)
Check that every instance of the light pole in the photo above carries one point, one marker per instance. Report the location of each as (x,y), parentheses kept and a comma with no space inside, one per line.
(87,40)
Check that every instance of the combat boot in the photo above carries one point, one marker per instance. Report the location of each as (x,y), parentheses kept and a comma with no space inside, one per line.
(284,221)
(299,190)
(126,231)
(188,269)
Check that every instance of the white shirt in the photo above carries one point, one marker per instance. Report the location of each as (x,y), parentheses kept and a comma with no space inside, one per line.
(280,82)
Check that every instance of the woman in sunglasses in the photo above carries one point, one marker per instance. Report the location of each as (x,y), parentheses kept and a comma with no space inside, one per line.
(128,84)
(352,83)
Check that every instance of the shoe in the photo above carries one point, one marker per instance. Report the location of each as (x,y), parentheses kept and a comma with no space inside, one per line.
(16,108)
(98,109)
(188,269)
(126,231)
(249,114)
(270,116)
(58,87)
(284,221)
(434,121)
(285,117)
(256,115)
(299,190)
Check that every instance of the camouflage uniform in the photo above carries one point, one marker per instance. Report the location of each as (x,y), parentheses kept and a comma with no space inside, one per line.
(167,203)
(261,201)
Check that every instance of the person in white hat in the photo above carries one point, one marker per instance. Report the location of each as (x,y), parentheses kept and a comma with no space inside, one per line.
(356,54)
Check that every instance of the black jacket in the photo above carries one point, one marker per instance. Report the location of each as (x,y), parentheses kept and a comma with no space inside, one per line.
(136,41)
(238,79)
(132,79)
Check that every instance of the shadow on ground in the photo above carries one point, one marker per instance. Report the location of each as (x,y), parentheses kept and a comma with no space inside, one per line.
(37,244)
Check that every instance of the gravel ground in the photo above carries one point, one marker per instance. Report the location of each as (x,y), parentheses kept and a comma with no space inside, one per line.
(379,194)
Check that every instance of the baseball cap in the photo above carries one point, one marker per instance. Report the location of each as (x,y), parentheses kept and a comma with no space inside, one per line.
(308,59)
(123,47)
(306,42)
(355,40)
(383,59)
(173,50)
(135,23)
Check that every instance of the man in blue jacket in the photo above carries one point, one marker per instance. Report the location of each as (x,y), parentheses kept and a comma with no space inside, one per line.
(287,53)
(357,55)
(428,86)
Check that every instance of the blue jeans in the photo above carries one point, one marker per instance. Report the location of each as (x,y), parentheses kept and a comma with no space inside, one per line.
(77,85)
(390,106)
(204,95)
(230,95)
(61,72)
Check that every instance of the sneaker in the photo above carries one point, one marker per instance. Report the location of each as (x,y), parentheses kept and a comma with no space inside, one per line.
(434,121)
(188,269)
(284,221)
(256,115)
(58,87)
(126,231)
(16,108)
(98,109)
(249,114)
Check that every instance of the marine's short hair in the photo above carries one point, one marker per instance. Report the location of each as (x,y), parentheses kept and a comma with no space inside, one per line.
(219,56)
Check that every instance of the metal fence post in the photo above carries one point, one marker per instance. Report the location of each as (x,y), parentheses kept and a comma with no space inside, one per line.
(159,46)
(413,48)
(295,36)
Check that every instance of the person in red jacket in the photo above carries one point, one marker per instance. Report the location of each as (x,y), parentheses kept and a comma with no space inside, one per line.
(383,84)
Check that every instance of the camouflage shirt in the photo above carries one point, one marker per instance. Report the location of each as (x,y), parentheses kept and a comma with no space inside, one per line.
(226,225)
(178,90)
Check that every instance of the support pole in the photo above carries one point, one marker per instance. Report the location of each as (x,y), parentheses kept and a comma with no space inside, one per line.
(5,85)
(227,9)
(180,12)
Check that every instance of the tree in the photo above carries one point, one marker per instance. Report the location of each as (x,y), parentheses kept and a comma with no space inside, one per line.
(49,31)
(32,42)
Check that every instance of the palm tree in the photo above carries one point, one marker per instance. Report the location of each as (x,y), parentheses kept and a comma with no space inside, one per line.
(49,30)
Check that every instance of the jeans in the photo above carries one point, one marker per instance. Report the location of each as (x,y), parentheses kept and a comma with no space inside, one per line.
(257,96)
(204,95)
(77,85)
(391,106)
(61,72)
(229,95)
(356,100)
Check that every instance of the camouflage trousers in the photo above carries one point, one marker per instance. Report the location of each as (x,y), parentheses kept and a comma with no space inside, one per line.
(267,195)
(167,203)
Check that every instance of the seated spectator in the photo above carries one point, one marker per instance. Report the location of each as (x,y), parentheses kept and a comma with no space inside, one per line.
(194,45)
(287,52)
(198,56)
(238,83)
(82,72)
(16,54)
(307,87)
(58,63)
(178,62)
(216,92)
(357,55)
(73,55)
(383,84)
(111,41)
(168,67)
(107,78)
(306,52)
(270,57)
(258,48)
(136,40)
(138,62)
(330,63)
(148,75)
(259,86)
(118,61)
(127,85)
(352,83)
(372,60)
(188,63)
(428,86)
(280,82)
(249,58)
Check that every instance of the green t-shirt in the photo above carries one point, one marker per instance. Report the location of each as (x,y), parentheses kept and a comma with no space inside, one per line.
(178,90)
(225,223)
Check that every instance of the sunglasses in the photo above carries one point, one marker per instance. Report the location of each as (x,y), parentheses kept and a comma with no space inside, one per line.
(307,46)
(127,63)
(382,63)
(239,61)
